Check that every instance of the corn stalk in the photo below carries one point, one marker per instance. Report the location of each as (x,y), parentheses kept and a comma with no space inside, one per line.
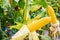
(26,11)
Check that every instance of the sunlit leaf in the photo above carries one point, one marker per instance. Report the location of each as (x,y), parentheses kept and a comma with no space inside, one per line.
(35,8)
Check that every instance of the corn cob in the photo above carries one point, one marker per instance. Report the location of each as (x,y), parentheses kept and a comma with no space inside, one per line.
(54,29)
(31,27)
(35,25)
(52,14)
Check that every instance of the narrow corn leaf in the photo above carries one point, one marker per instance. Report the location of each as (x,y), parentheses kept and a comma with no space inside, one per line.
(18,26)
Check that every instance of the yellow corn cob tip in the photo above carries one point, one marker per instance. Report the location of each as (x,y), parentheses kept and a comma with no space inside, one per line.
(35,25)
(52,15)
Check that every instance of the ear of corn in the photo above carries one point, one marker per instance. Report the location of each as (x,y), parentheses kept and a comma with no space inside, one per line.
(35,25)
(52,14)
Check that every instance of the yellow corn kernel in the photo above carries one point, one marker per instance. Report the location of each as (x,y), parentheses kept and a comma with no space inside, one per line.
(52,14)
(35,25)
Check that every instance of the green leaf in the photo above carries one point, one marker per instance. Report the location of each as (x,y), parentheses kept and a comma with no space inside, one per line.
(14,3)
(49,0)
(35,8)
(45,37)
(21,3)
(1,2)
(18,26)
(1,10)
(41,2)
